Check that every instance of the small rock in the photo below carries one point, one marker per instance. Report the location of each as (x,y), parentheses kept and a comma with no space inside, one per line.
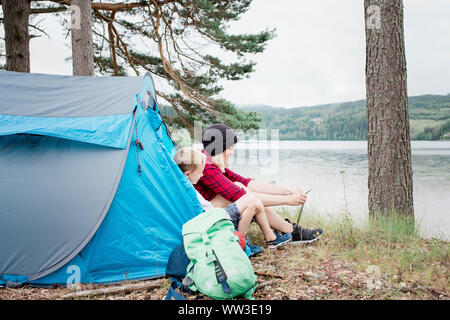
(313,276)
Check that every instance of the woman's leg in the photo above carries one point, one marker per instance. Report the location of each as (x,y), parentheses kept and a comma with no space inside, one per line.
(254,208)
(249,207)
(263,223)
(277,222)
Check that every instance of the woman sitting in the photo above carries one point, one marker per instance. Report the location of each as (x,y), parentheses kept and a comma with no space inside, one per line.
(221,186)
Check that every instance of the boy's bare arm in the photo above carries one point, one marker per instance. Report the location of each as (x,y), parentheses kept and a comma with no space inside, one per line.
(262,187)
(269,200)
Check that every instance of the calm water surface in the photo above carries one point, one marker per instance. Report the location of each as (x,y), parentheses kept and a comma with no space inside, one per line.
(331,167)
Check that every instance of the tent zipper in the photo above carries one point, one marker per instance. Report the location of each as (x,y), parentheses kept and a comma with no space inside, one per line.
(138,143)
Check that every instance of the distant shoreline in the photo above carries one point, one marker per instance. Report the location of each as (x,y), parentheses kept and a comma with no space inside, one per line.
(429,119)
(344,140)
(285,139)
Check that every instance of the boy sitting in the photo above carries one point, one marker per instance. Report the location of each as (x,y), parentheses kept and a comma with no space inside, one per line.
(218,185)
(192,162)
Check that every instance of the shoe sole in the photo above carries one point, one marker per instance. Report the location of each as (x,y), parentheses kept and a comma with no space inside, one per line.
(255,254)
(305,241)
(277,245)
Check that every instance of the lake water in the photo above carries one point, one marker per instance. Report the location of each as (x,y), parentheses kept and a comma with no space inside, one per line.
(329,167)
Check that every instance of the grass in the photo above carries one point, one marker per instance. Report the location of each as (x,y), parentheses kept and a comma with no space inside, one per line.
(383,259)
(388,244)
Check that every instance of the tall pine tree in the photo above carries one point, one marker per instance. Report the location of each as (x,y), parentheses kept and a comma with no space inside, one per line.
(184,42)
(82,44)
(17,37)
(389,148)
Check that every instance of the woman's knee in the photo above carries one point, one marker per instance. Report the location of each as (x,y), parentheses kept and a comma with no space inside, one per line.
(258,204)
(255,203)
(246,202)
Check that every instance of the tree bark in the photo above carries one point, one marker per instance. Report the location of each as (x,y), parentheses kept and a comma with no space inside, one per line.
(389,147)
(82,46)
(17,39)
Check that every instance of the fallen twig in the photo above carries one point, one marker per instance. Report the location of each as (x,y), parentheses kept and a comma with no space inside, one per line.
(265,284)
(268,274)
(114,290)
(423,286)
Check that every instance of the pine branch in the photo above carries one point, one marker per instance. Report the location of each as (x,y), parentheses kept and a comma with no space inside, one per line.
(116,6)
(38,29)
(47,10)
(173,102)
(189,92)
(124,49)
(171,26)
(112,45)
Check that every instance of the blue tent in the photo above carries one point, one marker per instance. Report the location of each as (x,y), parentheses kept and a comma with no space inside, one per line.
(89,192)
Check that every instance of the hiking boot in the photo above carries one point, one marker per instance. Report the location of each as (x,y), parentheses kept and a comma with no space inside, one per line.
(282,238)
(304,235)
(254,249)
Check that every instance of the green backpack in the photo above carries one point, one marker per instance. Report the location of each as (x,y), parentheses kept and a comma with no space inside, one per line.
(219,268)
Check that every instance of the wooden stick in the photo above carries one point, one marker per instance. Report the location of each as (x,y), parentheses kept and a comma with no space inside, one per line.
(114,290)
(265,284)
(268,274)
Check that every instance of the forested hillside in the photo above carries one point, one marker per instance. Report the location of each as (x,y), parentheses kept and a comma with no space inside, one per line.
(429,119)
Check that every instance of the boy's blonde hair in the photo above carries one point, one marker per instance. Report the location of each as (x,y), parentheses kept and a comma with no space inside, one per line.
(188,159)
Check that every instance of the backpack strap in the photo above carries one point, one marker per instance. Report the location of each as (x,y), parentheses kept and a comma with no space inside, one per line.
(173,293)
(221,276)
(182,286)
(211,256)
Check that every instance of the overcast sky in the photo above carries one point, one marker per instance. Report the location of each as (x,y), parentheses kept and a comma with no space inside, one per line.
(318,55)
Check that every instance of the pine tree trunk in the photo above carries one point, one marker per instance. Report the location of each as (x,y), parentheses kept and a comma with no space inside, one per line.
(389,147)
(17,39)
(82,47)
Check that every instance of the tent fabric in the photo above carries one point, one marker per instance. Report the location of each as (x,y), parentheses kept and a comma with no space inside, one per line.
(144,222)
(73,206)
(33,94)
(54,194)
(111,131)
